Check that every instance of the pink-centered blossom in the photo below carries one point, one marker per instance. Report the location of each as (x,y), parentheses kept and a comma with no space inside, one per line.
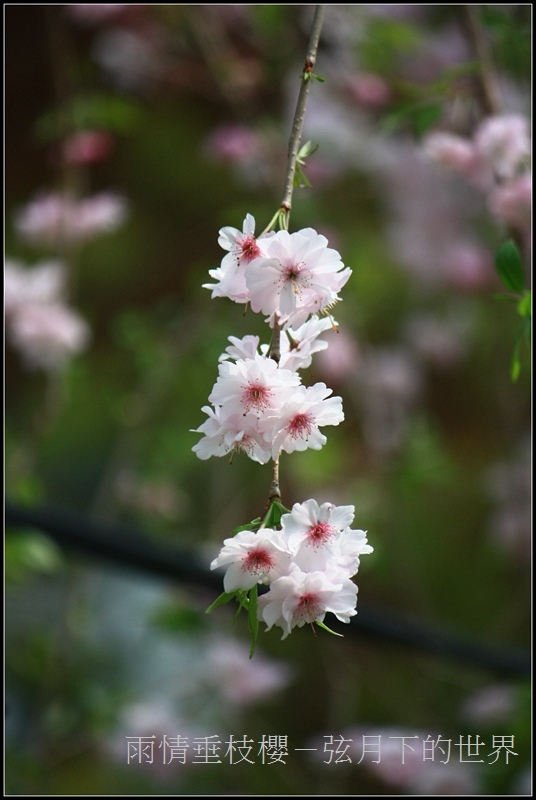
(230,276)
(252,558)
(298,425)
(321,539)
(298,275)
(301,598)
(254,385)
(314,524)
(229,433)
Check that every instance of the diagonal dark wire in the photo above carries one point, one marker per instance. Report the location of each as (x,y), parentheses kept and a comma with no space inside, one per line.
(129,548)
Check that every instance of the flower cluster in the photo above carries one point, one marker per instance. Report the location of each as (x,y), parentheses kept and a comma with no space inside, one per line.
(308,565)
(287,276)
(309,555)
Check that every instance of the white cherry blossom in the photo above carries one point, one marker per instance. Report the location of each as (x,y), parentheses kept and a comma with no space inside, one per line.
(253,384)
(224,434)
(230,276)
(298,275)
(301,598)
(298,425)
(252,558)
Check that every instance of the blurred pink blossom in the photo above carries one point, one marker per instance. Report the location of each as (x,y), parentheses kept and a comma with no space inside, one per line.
(54,219)
(395,757)
(369,90)
(43,284)
(95,13)
(468,266)
(459,154)
(134,59)
(390,383)
(87,147)
(47,335)
(439,341)
(504,142)
(493,703)
(233,143)
(342,360)
(512,201)
(239,680)
(39,323)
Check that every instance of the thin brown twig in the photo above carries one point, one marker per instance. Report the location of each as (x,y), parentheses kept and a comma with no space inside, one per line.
(286,203)
(488,93)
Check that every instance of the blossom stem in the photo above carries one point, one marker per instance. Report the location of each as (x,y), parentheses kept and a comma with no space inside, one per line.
(275,344)
(297,125)
(283,213)
(275,492)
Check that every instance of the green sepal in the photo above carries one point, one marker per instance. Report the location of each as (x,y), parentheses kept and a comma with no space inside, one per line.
(224,598)
(325,628)
(253,622)
(509,267)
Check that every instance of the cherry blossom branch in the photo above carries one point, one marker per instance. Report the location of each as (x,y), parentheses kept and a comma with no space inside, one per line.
(297,125)
(487,81)
(283,213)
(286,203)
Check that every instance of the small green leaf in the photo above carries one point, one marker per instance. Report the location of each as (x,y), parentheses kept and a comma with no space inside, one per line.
(325,628)
(250,526)
(509,267)
(224,598)
(307,150)
(524,308)
(523,334)
(275,512)
(300,179)
(253,622)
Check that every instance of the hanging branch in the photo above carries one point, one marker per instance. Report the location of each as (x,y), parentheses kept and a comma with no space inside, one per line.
(286,203)
(486,78)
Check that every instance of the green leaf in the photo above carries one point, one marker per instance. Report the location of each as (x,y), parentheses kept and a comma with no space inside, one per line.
(325,628)
(509,267)
(250,526)
(307,150)
(524,308)
(253,622)
(523,334)
(224,598)
(274,514)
